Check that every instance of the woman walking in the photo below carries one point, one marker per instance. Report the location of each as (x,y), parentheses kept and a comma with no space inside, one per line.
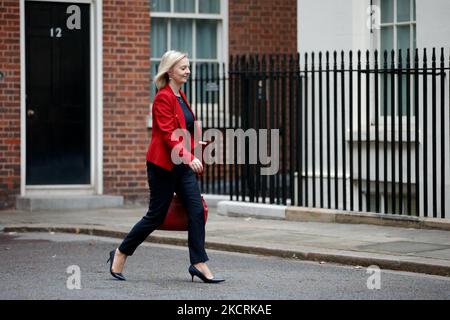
(171,111)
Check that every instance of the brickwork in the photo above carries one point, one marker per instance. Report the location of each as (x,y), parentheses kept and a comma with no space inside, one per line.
(9,102)
(255,26)
(126,74)
(262,26)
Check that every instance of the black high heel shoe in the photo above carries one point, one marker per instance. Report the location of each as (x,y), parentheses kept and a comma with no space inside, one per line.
(116,275)
(195,272)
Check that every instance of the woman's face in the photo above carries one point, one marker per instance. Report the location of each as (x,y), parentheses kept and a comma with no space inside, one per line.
(180,72)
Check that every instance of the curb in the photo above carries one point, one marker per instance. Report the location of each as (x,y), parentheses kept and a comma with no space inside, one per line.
(233,208)
(212,200)
(245,209)
(390,220)
(383,263)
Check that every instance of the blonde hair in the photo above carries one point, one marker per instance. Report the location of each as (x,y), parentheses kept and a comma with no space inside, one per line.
(168,60)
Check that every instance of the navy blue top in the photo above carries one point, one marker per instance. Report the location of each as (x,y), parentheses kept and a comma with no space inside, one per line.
(188,116)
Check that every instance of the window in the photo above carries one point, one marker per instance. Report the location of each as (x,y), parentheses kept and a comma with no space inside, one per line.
(398,25)
(192,26)
(397,31)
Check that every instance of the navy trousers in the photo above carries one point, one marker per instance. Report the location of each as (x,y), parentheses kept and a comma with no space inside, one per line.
(162,184)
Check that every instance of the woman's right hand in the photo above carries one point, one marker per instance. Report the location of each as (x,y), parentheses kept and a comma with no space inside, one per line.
(196,166)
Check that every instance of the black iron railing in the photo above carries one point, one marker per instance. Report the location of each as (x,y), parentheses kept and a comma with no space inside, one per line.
(357,131)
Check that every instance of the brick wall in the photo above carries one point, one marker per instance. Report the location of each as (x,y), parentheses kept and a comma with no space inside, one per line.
(126,49)
(9,102)
(262,26)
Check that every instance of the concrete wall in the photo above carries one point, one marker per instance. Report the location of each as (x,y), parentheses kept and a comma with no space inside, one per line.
(332,25)
(433,23)
(342,24)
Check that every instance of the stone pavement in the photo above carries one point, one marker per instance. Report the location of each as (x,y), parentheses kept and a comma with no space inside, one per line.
(395,248)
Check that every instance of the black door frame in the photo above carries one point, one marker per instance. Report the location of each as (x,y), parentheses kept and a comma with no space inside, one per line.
(96,106)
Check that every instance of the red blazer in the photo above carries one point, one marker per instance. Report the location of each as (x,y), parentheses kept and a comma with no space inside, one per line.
(167,117)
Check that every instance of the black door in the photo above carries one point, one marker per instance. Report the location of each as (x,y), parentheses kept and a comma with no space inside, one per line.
(57,93)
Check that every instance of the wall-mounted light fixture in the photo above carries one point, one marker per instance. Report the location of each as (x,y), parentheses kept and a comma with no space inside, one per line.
(1,76)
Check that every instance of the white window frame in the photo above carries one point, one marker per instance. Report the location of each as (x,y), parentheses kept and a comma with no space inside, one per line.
(377,44)
(222,44)
(396,24)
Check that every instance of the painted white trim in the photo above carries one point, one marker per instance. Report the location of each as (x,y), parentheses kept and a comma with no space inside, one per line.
(195,16)
(92,110)
(223,60)
(298,25)
(169,35)
(96,108)
(225,36)
(361,35)
(58,190)
(98,12)
(194,47)
(187,15)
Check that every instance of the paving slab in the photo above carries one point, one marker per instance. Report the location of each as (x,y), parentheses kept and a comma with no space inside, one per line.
(397,248)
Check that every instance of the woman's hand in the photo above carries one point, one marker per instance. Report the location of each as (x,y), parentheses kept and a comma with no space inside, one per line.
(196,166)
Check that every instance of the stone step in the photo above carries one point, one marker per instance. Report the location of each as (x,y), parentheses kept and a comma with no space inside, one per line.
(35,203)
